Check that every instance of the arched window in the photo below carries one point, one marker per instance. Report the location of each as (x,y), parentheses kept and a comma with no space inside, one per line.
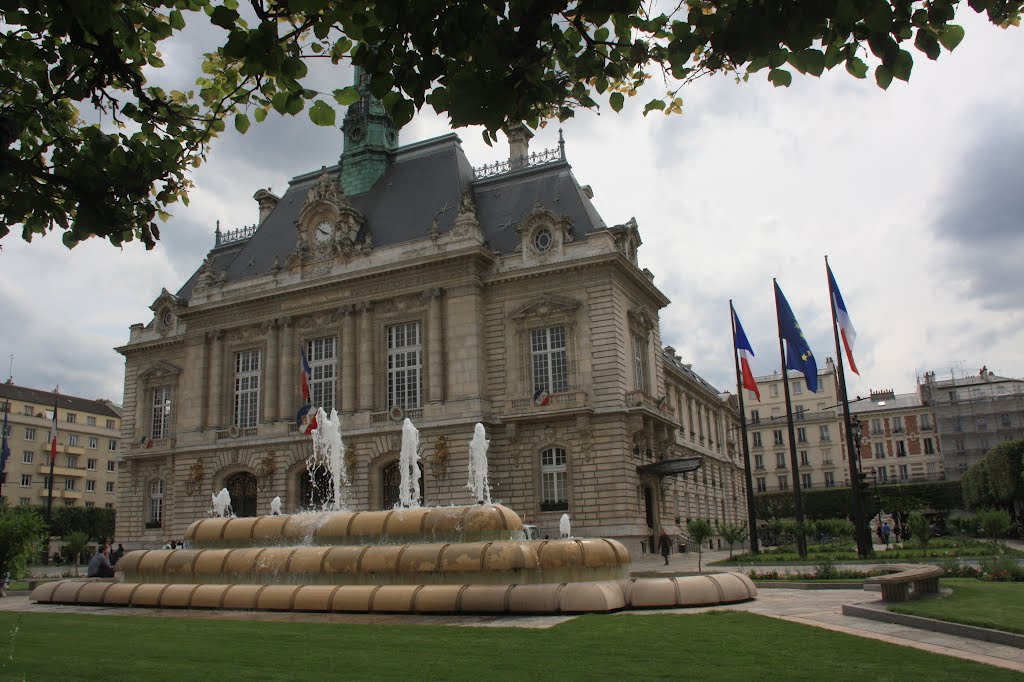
(316,489)
(242,488)
(391,478)
(156,504)
(553,480)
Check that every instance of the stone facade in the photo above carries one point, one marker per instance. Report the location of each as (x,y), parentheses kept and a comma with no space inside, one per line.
(899,438)
(530,316)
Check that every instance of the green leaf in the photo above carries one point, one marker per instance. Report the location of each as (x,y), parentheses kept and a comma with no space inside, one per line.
(601,35)
(927,43)
(648,108)
(346,96)
(951,36)
(616,100)
(177,21)
(903,65)
(224,17)
(883,77)
(856,67)
(241,123)
(321,113)
(780,78)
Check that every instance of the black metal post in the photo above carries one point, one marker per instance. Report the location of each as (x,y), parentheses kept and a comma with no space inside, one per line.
(798,505)
(751,514)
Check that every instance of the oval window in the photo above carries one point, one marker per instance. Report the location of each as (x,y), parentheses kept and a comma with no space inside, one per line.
(542,239)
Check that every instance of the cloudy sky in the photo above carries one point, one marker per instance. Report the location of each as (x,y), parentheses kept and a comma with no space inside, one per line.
(915,194)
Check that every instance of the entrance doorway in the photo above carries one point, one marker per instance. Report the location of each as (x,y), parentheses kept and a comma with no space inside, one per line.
(649,509)
(242,488)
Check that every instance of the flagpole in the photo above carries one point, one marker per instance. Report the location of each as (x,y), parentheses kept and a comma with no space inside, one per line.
(751,514)
(864,544)
(798,506)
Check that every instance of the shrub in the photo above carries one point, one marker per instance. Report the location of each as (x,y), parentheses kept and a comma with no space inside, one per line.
(995,523)
(921,529)
(732,533)
(21,538)
(1001,569)
(700,531)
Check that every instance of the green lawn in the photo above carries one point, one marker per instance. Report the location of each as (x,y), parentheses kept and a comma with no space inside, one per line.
(974,602)
(719,646)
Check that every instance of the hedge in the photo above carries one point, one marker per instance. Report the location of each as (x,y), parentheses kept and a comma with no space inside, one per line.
(831,503)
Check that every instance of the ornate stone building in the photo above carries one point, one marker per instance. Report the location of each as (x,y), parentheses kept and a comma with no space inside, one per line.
(419,287)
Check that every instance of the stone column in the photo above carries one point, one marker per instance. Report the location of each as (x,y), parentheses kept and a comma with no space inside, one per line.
(272,407)
(287,368)
(215,412)
(365,357)
(348,360)
(435,346)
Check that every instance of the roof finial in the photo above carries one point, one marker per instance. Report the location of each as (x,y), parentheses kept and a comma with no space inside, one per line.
(216,235)
(561,144)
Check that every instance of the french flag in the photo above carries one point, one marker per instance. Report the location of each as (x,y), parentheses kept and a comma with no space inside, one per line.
(541,397)
(307,376)
(53,434)
(846,330)
(746,352)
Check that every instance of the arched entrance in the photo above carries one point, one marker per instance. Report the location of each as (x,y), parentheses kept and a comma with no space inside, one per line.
(391,479)
(315,492)
(242,488)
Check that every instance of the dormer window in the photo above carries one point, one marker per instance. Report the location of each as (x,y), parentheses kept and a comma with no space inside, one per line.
(542,239)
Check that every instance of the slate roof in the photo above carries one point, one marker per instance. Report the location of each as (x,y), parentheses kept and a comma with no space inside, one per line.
(426,179)
(899,401)
(35,396)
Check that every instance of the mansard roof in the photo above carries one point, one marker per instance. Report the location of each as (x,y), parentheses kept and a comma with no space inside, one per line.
(426,180)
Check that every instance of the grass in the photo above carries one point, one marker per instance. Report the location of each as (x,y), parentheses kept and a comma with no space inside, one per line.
(939,548)
(974,602)
(719,646)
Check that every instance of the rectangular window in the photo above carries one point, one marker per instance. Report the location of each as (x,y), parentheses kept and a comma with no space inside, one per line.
(904,473)
(93,442)
(90,464)
(796,388)
(156,504)
(958,445)
(774,390)
(90,486)
(901,448)
(926,422)
(26,480)
(161,424)
(880,450)
(111,465)
(783,483)
(826,455)
(640,364)
(73,440)
(897,424)
(405,365)
(247,389)
(90,421)
(70,417)
(27,410)
(755,417)
(780,460)
(110,486)
(24,501)
(762,485)
(90,504)
(112,445)
(553,480)
(759,461)
(30,434)
(882,474)
(777,435)
(110,423)
(876,427)
(830,479)
(72,461)
(801,435)
(550,363)
(805,459)
(957,425)
(982,424)
(109,505)
(27,456)
(69,484)
(757,439)
(800,412)
(929,447)
(823,432)
(322,354)
(805,480)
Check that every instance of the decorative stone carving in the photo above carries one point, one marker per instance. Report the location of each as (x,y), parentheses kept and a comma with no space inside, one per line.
(440,459)
(543,233)
(328,227)
(209,276)
(265,472)
(467,224)
(194,480)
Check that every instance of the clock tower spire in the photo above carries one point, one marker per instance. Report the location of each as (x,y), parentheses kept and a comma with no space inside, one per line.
(370,140)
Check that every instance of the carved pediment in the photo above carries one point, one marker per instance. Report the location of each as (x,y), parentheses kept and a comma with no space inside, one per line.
(160,370)
(166,299)
(328,226)
(642,319)
(546,306)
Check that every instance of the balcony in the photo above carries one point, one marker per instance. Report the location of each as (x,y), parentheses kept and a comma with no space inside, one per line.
(68,472)
(569,402)
(381,417)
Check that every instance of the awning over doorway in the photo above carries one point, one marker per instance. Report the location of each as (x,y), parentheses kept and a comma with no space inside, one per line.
(671,467)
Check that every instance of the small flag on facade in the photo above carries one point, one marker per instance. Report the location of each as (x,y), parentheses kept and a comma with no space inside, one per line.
(305,377)
(306,419)
(541,397)
(746,352)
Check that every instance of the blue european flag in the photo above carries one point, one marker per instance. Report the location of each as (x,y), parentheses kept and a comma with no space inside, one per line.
(798,353)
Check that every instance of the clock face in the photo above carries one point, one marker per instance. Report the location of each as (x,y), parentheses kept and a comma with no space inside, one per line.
(323,232)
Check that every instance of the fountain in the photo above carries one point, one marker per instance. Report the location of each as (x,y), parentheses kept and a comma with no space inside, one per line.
(478,466)
(461,559)
(221,503)
(564,527)
(329,455)
(275,506)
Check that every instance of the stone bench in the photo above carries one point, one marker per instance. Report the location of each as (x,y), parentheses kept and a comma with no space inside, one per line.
(896,585)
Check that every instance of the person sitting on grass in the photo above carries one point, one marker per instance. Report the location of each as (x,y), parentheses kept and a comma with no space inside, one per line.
(99,565)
